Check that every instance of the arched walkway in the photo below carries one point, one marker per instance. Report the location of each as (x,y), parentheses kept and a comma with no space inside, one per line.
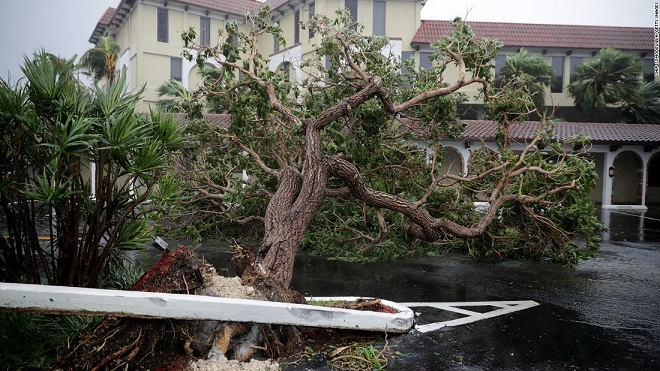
(653,180)
(286,69)
(452,162)
(195,78)
(626,186)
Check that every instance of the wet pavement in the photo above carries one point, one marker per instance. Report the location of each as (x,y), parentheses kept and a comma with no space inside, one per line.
(602,315)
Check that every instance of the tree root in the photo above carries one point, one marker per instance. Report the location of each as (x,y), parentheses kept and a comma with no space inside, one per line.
(130,343)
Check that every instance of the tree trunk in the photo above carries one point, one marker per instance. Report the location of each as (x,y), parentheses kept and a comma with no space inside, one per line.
(299,194)
(293,206)
(280,246)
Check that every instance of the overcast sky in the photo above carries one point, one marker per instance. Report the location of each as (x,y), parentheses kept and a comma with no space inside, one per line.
(63,27)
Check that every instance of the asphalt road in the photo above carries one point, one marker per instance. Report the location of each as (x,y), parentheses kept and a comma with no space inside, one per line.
(602,315)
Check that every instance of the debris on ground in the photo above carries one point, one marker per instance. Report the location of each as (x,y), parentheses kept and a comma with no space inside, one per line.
(153,344)
(134,343)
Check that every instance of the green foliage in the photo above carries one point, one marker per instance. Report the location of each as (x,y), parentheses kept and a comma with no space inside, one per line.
(478,53)
(527,75)
(392,138)
(99,62)
(613,79)
(644,106)
(52,130)
(181,100)
(563,227)
(120,273)
(607,80)
(359,356)
(32,341)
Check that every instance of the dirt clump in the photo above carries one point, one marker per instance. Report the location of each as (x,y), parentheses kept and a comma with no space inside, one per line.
(153,344)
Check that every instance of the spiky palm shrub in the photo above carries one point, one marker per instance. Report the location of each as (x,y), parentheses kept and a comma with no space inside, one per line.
(31,341)
(644,106)
(606,81)
(176,98)
(52,130)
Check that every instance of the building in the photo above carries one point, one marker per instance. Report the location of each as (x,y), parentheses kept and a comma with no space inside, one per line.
(563,47)
(626,156)
(149,31)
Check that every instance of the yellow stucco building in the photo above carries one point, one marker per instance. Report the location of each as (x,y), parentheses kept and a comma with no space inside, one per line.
(627,156)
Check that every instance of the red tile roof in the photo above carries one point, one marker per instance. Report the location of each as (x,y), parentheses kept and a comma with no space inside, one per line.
(477,130)
(546,35)
(103,22)
(107,16)
(598,133)
(237,7)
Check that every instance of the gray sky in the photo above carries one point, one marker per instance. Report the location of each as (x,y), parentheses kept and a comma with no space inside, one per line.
(63,27)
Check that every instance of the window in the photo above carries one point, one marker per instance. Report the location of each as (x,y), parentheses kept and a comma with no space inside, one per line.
(286,70)
(425,60)
(312,13)
(296,27)
(406,56)
(499,63)
(276,44)
(648,70)
(405,71)
(558,66)
(163,25)
(176,68)
(575,61)
(330,67)
(379,17)
(351,5)
(204,31)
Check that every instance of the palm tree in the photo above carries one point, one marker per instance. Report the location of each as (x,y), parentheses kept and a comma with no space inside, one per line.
(100,61)
(644,106)
(530,72)
(182,100)
(608,81)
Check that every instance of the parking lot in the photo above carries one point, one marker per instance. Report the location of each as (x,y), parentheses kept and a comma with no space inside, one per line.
(602,315)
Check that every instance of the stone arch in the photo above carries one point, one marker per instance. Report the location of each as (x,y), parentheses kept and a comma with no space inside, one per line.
(627,181)
(195,78)
(452,161)
(653,180)
(287,68)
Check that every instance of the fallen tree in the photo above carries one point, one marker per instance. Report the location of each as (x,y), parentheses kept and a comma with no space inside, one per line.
(350,155)
(341,154)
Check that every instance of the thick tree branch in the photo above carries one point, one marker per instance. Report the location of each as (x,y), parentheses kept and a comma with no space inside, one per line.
(427,227)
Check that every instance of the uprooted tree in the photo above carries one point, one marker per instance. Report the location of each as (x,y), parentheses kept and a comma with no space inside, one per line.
(350,152)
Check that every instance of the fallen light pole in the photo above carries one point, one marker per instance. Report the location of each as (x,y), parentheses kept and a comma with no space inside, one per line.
(138,304)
